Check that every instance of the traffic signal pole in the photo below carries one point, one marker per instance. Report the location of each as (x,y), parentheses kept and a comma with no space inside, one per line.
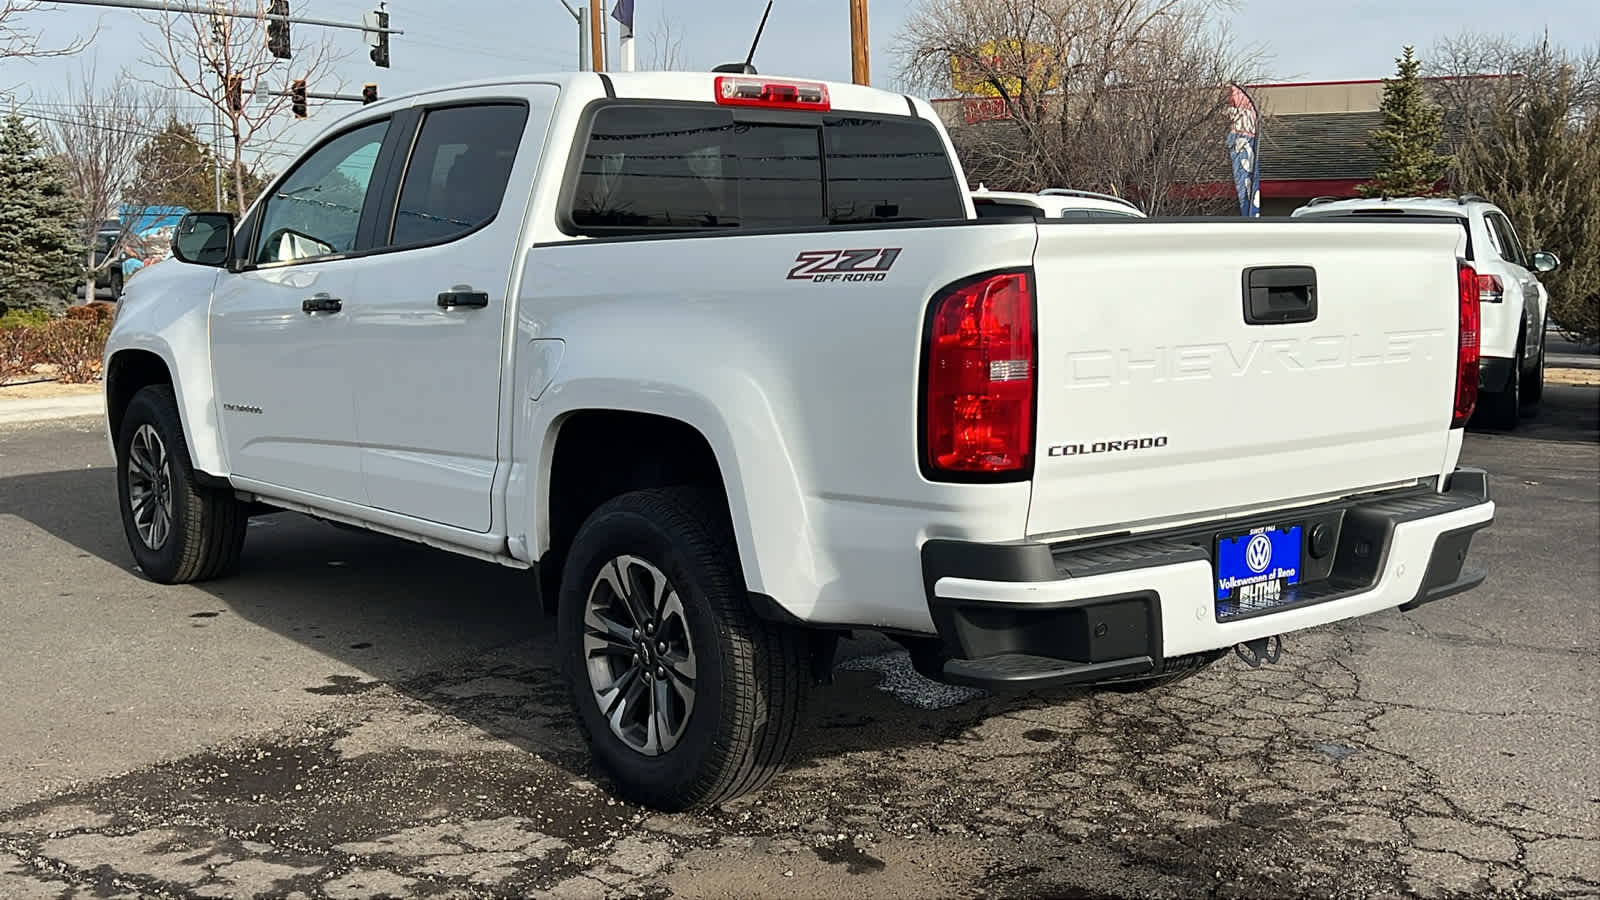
(158,6)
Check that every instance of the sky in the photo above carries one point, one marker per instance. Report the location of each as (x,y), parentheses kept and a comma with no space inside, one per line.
(458,40)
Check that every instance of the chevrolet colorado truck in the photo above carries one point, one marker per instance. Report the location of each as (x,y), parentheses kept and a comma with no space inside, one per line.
(732,366)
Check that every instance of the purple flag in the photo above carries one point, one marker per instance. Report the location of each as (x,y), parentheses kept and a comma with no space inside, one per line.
(623,12)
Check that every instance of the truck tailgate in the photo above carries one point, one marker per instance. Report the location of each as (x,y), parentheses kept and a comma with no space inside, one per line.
(1158,402)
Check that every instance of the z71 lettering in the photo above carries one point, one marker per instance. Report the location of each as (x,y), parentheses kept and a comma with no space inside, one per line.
(844,265)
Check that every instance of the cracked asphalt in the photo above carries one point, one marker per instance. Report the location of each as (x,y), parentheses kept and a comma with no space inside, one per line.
(354,717)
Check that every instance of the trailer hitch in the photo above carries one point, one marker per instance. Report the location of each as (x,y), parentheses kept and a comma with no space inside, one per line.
(1261,650)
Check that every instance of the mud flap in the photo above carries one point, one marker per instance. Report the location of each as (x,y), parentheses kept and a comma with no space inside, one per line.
(1261,650)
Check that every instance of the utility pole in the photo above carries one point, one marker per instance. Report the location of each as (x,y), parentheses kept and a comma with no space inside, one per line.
(597,41)
(858,42)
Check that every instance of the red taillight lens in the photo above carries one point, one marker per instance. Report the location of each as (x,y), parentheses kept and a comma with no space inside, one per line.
(1491,289)
(1469,317)
(736,90)
(981,363)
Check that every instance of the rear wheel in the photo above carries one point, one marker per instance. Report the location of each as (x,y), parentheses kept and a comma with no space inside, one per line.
(179,531)
(686,698)
(1533,386)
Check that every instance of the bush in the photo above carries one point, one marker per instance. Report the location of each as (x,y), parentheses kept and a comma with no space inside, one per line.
(72,345)
(19,351)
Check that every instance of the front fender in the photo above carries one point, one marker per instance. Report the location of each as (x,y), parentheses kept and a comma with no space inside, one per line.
(165,312)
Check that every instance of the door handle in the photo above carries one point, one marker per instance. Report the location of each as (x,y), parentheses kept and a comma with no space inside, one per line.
(322,303)
(451,299)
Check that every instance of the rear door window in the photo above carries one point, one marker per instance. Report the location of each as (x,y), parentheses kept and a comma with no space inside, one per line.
(456,179)
(674,168)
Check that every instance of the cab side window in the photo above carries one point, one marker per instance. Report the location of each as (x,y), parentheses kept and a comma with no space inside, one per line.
(456,180)
(316,210)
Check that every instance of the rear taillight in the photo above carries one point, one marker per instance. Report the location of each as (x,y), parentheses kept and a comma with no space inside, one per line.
(978,412)
(1491,289)
(1468,317)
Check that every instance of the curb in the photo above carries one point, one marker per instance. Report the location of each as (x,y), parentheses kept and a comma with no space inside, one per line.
(48,409)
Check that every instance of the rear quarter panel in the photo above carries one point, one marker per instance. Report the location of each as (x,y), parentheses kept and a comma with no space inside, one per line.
(806,390)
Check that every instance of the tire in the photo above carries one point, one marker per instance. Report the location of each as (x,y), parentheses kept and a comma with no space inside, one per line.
(1533,385)
(1502,409)
(1181,668)
(748,679)
(184,532)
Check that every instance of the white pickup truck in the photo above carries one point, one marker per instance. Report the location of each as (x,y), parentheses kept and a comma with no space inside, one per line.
(732,365)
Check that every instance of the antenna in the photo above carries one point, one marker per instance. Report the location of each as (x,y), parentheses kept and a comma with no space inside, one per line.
(745,68)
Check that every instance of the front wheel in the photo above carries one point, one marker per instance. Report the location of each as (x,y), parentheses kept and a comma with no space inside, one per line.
(179,531)
(686,698)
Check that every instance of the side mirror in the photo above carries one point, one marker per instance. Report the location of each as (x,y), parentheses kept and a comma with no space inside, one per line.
(1546,262)
(204,239)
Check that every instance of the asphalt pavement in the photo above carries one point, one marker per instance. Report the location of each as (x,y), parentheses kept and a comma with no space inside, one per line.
(356,716)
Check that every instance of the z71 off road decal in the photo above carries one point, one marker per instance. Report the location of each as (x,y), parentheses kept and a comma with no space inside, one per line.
(844,265)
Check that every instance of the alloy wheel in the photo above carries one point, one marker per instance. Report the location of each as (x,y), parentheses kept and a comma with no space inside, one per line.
(639,655)
(150,487)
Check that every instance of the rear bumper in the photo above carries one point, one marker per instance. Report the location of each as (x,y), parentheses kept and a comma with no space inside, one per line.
(1035,614)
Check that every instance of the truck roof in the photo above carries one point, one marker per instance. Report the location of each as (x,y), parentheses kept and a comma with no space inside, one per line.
(683,86)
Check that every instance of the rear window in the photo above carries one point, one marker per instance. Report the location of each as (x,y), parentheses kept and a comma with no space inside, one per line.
(677,168)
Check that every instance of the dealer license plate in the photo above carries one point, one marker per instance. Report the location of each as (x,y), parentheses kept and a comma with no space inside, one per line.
(1257,570)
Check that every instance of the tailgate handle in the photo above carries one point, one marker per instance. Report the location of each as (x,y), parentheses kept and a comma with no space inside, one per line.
(1280,295)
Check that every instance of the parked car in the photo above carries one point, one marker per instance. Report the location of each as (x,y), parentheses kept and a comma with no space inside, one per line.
(1053,203)
(1514,305)
(733,367)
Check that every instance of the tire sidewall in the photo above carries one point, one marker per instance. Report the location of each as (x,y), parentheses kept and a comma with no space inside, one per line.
(617,531)
(148,408)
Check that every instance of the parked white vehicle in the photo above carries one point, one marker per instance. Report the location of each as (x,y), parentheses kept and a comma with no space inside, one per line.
(732,365)
(1515,305)
(1053,203)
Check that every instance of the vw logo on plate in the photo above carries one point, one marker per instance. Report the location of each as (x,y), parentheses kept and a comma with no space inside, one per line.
(1258,555)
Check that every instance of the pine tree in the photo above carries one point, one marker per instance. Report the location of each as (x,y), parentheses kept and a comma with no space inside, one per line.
(1408,164)
(40,253)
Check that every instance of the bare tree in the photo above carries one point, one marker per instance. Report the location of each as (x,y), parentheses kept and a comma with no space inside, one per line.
(1527,136)
(664,45)
(16,41)
(205,53)
(97,139)
(1124,96)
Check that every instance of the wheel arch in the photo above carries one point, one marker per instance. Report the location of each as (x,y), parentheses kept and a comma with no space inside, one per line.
(129,370)
(596,454)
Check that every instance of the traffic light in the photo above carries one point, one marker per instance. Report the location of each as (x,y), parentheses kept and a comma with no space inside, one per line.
(236,94)
(369,93)
(297,97)
(380,46)
(278,29)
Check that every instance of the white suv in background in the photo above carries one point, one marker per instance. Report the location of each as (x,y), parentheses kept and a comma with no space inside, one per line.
(1053,203)
(1514,305)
